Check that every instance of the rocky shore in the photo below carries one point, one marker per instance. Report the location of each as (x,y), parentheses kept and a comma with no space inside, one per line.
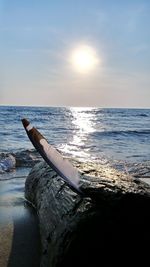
(109,226)
(29,157)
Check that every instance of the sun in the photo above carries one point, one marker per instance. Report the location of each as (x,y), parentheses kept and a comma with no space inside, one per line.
(84,59)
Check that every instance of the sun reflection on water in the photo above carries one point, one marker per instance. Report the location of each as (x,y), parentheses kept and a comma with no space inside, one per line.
(83,120)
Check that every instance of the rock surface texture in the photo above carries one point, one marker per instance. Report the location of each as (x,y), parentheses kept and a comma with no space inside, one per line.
(109,226)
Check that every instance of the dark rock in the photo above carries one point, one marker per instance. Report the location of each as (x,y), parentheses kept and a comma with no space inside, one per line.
(110,226)
(27,158)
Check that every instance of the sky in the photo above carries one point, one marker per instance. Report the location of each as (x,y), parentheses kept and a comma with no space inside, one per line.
(39,37)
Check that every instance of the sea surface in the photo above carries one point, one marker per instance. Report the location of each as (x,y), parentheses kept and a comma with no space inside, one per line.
(120,137)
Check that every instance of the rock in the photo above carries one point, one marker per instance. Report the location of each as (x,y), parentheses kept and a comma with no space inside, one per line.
(110,226)
(27,158)
(23,158)
(7,163)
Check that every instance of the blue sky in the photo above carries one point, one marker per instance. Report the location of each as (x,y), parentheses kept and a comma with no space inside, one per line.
(37,37)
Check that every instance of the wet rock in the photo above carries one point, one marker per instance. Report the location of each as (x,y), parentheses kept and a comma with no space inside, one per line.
(23,158)
(109,226)
(7,162)
(27,158)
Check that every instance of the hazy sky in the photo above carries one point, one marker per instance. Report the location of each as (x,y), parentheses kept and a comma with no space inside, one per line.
(38,37)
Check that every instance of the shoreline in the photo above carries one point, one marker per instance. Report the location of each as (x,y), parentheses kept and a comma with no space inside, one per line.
(19,231)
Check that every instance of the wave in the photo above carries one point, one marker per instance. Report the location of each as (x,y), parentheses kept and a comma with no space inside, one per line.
(28,158)
(142,115)
(121,132)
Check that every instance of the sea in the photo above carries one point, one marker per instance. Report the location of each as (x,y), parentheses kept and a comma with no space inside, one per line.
(119,137)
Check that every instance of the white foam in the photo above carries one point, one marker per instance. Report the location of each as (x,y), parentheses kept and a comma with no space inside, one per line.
(8,163)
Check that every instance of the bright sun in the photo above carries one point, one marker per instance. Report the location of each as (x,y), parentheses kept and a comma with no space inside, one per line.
(84,59)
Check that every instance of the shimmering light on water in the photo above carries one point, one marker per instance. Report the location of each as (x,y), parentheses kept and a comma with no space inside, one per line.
(83,119)
(87,133)
(84,123)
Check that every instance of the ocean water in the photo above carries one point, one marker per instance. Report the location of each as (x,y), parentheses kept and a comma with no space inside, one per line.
(118,136)
(112,137)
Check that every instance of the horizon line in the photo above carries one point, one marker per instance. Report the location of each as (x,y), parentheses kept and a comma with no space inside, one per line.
(69,106)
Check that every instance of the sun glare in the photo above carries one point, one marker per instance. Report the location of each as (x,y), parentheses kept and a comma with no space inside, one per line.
(84,59)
